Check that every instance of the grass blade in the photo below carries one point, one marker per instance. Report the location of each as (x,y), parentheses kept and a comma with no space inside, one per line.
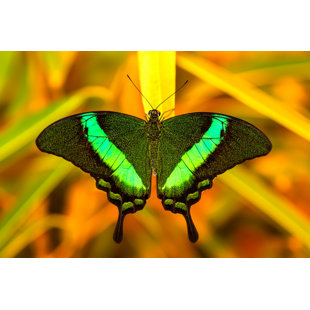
(29,201)
(32,232)
(282,211)
(25,131)
(7,60)
(56,65)
(243,91)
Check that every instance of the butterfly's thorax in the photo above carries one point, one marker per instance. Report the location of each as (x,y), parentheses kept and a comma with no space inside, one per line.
(153,131)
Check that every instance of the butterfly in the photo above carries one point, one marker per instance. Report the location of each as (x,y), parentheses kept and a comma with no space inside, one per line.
(185,153)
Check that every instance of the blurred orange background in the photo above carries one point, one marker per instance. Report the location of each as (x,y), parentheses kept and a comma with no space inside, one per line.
(49,208)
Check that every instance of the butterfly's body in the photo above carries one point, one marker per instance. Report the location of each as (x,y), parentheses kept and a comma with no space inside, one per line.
(153,126)
(185,153)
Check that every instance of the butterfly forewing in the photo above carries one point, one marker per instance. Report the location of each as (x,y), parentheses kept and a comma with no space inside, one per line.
(113,148)
(193,149)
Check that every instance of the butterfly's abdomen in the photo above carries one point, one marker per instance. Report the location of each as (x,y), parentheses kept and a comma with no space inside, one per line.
(153,132)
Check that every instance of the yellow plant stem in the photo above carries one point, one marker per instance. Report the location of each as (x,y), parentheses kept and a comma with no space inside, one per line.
(248,94)
(157,79)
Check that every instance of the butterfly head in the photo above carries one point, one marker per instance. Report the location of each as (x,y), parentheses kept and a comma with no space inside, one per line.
(154,114)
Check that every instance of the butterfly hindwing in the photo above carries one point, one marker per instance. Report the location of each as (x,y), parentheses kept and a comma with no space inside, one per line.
(113,148)
(193,149)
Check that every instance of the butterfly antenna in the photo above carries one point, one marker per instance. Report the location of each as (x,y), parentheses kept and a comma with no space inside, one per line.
(172,94)
(139,90)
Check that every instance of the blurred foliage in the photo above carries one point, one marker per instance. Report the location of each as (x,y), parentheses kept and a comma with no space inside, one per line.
(49,208)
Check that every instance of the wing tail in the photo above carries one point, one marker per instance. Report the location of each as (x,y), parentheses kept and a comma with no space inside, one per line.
(193,149)
(113,148)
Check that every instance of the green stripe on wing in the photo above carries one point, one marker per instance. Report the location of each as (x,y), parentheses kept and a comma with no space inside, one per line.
(124,174)
(183,175)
